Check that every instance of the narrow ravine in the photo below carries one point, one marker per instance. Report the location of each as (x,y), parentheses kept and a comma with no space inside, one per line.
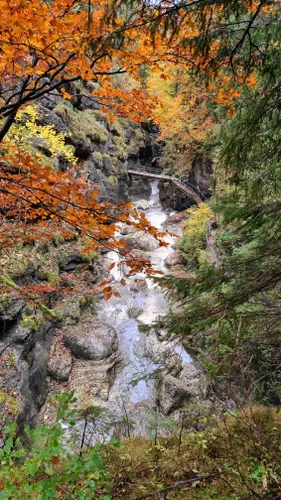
(154,374)
(134,385)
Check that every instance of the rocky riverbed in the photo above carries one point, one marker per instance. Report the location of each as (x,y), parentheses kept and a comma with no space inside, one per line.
(125,373)
(95,347)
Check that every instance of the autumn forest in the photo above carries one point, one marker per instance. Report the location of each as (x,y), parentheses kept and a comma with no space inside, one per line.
(140,249)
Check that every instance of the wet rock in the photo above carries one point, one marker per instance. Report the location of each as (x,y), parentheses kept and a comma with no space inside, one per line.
(125,229)
(173,259)
(141,254)
(72,262)
(176,391)
(140,186)
(134,312)
(91,341)
(139,285)
(142,204)
(60,363)
(176,218)
(162,353)
(142,241)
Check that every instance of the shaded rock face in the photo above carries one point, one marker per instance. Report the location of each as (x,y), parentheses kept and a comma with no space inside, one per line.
(172,198)
(140,186)
(142,204)
(24,356)
(200,178)
(9,315)
(105,150)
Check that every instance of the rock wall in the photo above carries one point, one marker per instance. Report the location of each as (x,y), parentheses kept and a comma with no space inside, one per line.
(104,149)
(200,177)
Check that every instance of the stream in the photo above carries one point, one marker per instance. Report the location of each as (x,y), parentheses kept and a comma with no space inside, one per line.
(133,393)
(134,385)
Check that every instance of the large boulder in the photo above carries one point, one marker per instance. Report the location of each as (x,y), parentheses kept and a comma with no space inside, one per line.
(142,241)
(174,392)
(91,380)
(176,218)
(91,341)
(127,229)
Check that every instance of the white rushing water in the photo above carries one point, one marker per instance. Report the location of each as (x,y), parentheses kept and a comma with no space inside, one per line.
(133,391)
(138,368)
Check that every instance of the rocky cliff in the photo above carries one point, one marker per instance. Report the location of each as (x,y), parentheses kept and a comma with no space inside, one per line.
(104,149)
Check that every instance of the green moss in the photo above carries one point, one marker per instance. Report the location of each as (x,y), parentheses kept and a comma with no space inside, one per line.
(3,397)
(32,322)
(117,129)
(121,147)
(100,117)
(13,407)
(98,157)
(68,311)
(139,134)
(106,157)
(86,300)
(5,300)
(52,275)
(83,124)
(112,180)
